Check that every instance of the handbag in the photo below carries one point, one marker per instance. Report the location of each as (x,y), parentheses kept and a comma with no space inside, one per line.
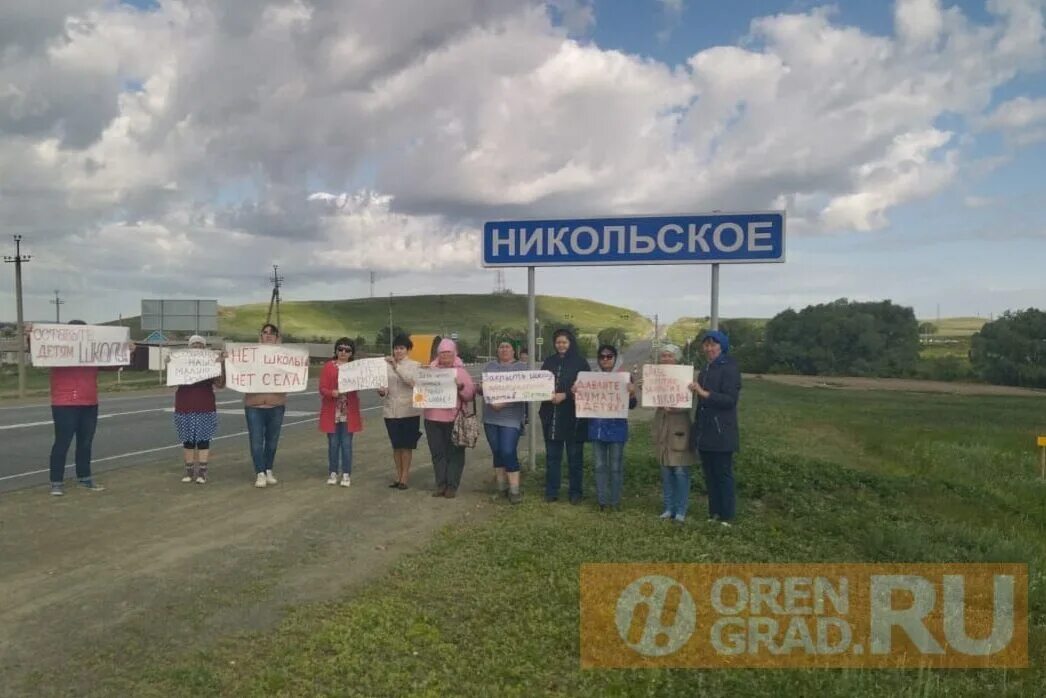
(465,431)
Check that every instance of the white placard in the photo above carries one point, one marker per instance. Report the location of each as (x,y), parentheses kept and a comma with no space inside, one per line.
(188,366)
(601,395)
(363,374)
(500,387)
(436,388)
(79,345)
(665,385)
(266,368)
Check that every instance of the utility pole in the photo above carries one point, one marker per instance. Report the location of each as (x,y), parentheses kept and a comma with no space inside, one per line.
(57,303)
(17,260)
(274,301)
(390,323)
(372,276)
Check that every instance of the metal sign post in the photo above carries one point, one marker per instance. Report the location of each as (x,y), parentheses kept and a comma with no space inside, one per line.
(532,353)
(714,316)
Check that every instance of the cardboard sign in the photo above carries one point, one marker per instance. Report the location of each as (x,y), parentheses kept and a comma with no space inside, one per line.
(79,345)
(363,374)
(188,366)
(665,385)
(266,368)
(500,387)
(601,395)
(436,388)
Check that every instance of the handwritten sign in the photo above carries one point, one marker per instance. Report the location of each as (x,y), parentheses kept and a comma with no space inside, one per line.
(501,387)
(266,368)
(79,345)
(601,395)
(436,388)
(363,374)
(188,366)
(665,385)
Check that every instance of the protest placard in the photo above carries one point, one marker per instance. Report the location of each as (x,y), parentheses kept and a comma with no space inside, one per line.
(188,366)
(363,374)
(436,388)
(266,368)
(501,387)
(665,385)
(601,395)
(79,345)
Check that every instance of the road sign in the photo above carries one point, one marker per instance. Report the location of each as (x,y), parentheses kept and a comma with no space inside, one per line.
(180,316)
(539,341)
(728,238)
(156,337)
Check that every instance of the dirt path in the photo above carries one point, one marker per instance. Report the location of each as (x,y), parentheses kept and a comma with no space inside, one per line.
(917,386)
(93,584)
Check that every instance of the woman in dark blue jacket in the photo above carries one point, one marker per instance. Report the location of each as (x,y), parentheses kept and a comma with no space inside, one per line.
(608,437)
(563,430)
(715,435)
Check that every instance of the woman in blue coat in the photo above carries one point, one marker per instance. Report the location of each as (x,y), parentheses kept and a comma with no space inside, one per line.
(608,437)
(715,435)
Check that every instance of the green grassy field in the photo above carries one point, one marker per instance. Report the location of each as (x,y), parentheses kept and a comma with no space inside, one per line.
(492,608)
(957,326)
(37,381)
(462,313)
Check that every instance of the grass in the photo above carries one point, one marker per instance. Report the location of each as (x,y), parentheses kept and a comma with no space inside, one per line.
(37,381)
(957,326)
(492,608)
(465,314)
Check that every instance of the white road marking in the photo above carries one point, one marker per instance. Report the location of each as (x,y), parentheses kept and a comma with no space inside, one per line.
(160,448)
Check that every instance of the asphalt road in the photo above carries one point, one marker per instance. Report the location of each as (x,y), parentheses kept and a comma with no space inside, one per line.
(132,430)
(138,429)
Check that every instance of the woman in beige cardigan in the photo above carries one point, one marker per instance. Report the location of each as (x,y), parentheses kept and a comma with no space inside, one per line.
(671,432)
(402,420)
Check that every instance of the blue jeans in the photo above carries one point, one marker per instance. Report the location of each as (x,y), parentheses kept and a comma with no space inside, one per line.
(610,472)
(675,489)
(263,432)
(553,467)
(339,443)
(70,421)
(719,479)
(503,443)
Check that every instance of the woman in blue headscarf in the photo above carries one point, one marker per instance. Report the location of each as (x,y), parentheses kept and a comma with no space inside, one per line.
(716,436)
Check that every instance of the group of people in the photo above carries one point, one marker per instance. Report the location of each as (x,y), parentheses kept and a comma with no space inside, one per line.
(681,437)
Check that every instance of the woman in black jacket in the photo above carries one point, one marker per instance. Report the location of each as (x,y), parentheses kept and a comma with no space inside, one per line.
(716,437)
(562,429)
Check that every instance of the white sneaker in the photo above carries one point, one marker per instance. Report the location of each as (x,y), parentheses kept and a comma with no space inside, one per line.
(346,481)
(332,479)
(725,524)
(665,515)
(270,478)
(187,478)
(260,480)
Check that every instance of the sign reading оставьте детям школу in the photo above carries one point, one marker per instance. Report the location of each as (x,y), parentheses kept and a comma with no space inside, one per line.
(683,239)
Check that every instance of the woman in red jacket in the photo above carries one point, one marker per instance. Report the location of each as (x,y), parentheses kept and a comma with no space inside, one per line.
(339,414)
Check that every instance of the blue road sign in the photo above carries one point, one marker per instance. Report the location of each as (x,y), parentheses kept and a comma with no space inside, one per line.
(686,239)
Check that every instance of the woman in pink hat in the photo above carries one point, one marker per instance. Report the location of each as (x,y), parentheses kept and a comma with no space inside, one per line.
(448,459)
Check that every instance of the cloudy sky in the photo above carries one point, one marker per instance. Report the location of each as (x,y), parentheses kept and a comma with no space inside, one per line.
(178,149)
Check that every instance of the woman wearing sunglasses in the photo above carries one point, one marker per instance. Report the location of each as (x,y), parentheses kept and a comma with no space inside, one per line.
(608,437)
(339,415)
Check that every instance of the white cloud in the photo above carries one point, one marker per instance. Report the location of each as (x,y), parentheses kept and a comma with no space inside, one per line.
(216,128)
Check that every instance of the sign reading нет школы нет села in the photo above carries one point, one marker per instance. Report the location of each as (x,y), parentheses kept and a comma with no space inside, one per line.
(682,239)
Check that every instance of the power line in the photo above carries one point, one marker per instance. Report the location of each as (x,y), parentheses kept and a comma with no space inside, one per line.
(18,260)
(57,303)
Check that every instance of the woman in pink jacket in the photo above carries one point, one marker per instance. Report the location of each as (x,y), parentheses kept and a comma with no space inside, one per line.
(448,459)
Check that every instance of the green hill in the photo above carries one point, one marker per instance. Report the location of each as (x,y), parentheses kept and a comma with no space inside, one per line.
(461,313)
